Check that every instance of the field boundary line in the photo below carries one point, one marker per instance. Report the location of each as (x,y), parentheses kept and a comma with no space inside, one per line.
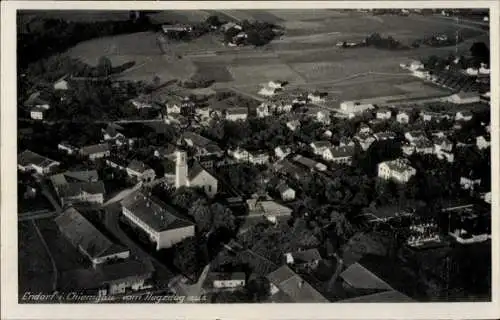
(47,249)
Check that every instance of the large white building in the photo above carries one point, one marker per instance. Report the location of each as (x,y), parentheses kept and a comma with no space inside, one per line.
(29,160)
(164,226)
(398,170)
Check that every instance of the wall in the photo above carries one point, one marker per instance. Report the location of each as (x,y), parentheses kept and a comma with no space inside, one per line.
(168,238)
(119,255)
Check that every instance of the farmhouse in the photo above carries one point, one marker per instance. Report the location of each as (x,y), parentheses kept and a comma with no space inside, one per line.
(140,171)
(364,129)
(286,284)
(464,98)
(164,226)
(235,114)
(415,135)
(287,168)
(268,91)
(263,110)
(112,132)
(176,28)
(346,142)
(29,160)
(317,97)
(268,209)
(224,281)
(88,239)
(175,103)
(339,154)
(276,84)
(470,181)
(141,102)
(423,146)
(398,170)
(258,157)
(203,146)
(95,151)
(319,147)
(78,187)
(353,107)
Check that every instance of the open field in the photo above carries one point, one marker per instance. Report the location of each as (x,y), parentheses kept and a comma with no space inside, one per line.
(35,269)
(306,57)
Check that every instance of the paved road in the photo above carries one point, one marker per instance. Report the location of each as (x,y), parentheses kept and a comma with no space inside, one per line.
(163,274)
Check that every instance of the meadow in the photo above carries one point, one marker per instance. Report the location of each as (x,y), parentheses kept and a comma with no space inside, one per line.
(306,56)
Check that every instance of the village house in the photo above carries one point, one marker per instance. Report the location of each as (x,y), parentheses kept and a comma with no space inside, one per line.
(317,97)
(384,136)
(61,84)
(309,163)
(288,286)
(407,148)
(328,134)
(230,25)
(78,187)
(286,168)
(117,162)
(258,157)
(269,91)
(269,209)
(398,170)
(277,84)
(340,155)
(464,98)
(167,151)
(443,149)
(67,148)
(282,152)
(164,226)
(108,279)
(319,147)
(140,171)
(307,259)
(174,104)
(29,160)
(293,125)
(286,193)
(95,151)
(88,239)
(463,116)
(483,142)
(235,114)
(141,102)
(403,117)
(352,108)
(321,116)
(203,146)
(383,114)
(365,140)
(239,154)
(37,113)
(223,281)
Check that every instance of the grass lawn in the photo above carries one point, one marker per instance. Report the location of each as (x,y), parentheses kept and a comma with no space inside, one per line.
(207,70)
(35,268)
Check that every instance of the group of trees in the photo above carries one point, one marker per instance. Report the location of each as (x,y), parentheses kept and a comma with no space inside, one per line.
(479,53)
(258,33)
(376,40)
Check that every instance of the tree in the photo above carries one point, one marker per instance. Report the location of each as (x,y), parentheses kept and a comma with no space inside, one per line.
(186,257)
(259,288)
(343,227)
(104,67)
(201,213)
(214,21)
(480,52)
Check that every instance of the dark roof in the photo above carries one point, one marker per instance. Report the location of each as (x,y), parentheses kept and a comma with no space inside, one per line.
(359,277)
(282,187)
(138,166)
(154,213)
(76,188)
(83,176)
(104,274)
(28,157)
(196,170)
(239,110)
(197,139)
(321,144)
(83,235)
(339,152)
(294,286)
(390,296)
(96,148)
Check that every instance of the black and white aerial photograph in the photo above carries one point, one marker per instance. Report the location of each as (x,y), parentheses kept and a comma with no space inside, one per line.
(253,156)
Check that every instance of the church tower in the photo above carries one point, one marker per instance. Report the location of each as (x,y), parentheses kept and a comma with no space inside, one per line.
(181,169)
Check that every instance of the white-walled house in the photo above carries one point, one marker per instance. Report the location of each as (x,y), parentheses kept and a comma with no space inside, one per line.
(464,98)
(340,155)
(483,142)
(37,113)
(320,146)
(463,116)
(286,193)
(398,170)
(96,151)
(403,117)
(164,226)
(235,114)
(282,152)
(29,160)
(293,125)
(383,114)
(140,171)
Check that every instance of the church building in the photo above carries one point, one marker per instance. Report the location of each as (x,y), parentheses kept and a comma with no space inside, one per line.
(196,176)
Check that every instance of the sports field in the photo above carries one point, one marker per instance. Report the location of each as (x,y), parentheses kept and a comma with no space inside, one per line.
(306,56)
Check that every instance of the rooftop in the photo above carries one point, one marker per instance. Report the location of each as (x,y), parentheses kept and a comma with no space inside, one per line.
(294,286)
(321,144)
(138,166)
(237,111)
(341,152)
(154,213)
(77,188)
(96,148)
(83,176)
(197,139)
(398,164)
(84,235)
(306,255)
(28,157)
(359,277)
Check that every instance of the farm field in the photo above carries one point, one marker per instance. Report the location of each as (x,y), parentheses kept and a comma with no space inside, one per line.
(34,268)
(306,56)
